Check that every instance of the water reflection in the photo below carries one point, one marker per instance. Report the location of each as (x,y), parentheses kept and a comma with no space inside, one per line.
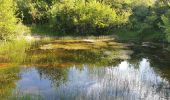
(69,70)
(125,81)
(8,78)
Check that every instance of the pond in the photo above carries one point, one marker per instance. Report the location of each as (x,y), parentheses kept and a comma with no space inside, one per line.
(88,69)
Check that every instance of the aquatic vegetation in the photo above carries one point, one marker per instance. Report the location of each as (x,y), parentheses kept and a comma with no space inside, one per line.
(80,44)
(69,52)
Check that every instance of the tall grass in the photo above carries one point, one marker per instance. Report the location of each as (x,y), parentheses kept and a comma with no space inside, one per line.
(13,51)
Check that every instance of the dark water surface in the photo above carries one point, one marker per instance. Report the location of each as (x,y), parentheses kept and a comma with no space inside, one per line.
(94,74)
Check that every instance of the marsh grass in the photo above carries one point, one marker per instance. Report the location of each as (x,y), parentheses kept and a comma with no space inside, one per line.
(13,51)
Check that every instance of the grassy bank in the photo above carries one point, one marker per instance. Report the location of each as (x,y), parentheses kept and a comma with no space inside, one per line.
(13,51)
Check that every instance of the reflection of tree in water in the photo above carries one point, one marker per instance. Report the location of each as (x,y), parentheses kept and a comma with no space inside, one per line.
(8,78)
(55,75)
(118,82)
(159,59)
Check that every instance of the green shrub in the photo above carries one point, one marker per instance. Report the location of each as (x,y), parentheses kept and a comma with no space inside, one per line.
(8,20)
(91,17)
(33,11)
(166,26)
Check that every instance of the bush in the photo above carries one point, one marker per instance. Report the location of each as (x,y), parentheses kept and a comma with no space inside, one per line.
(166,26)
(33,11)
(8,20)
(91,17)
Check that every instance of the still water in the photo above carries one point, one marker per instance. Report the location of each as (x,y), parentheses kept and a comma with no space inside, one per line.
(93,74)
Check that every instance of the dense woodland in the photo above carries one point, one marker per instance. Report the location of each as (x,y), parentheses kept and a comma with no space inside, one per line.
(146,18)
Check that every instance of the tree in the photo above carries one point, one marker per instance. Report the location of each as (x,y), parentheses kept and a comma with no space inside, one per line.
(8,20)
(34,11)
(71,16)
(166,26)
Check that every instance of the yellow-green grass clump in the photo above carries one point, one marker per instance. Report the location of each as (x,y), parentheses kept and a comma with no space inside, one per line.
(82,44)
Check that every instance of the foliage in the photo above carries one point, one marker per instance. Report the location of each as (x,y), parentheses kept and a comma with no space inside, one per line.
(166,26)
(7,19)
(86,17)
(33,11)
(164,13)
(11,27)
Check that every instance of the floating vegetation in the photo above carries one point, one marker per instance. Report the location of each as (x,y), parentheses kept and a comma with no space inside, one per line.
(81,44)
(68,52)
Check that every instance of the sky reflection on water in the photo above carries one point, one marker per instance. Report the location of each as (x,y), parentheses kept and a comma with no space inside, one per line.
(126,81)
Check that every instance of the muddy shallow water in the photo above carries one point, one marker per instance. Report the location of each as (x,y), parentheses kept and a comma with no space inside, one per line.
(88,70)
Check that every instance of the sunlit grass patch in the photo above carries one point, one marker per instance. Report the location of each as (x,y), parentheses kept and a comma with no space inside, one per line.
(67,46)
(13,51)
(79,44)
